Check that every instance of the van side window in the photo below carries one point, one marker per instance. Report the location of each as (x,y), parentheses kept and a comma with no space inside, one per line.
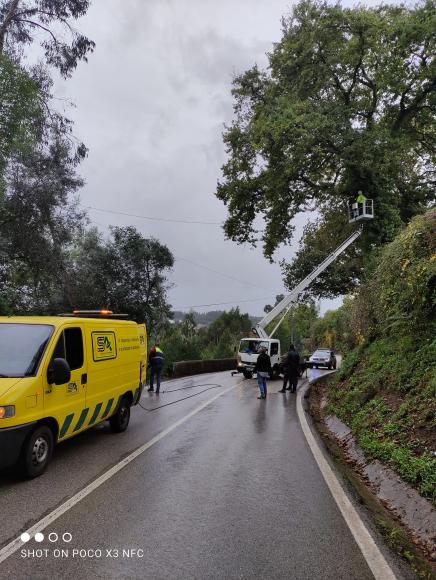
(70,347)
(74,347)
(274,348)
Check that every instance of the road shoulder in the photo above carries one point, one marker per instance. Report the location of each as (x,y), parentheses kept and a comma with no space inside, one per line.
(383,523)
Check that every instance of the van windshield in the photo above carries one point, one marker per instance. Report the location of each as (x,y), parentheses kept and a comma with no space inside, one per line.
(21,348)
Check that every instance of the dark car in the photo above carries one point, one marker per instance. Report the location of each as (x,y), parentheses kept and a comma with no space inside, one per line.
(322,357)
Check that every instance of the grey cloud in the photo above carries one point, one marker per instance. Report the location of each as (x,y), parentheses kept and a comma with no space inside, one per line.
(151,105)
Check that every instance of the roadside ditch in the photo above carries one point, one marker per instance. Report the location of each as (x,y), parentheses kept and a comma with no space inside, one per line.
(406,520)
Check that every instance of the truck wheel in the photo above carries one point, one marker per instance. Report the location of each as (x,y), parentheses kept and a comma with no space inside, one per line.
(120,421)
(247,375)
(37,451)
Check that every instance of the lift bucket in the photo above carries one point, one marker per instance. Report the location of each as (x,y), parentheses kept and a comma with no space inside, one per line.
(360,210)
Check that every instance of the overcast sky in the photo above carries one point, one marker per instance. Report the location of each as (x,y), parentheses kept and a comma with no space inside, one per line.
(151,105)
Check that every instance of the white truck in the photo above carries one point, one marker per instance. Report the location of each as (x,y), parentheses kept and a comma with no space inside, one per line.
(249,347)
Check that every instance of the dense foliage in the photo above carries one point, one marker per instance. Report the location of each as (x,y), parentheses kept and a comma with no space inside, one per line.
(187,340)
(47,23)
(20,108)
(39,215)
(50,261)
(346,104)
(296,328)
(386,389)
(125,272)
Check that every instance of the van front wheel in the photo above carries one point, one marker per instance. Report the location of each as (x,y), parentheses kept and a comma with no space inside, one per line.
(37,451)
(120,421)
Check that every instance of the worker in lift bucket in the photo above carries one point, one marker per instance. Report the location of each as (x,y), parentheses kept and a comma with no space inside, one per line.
(360,197)
(263,369)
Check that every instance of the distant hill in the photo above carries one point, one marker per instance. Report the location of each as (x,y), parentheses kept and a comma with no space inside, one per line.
(207,318)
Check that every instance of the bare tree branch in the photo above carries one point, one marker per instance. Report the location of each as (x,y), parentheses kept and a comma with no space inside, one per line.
(8,19)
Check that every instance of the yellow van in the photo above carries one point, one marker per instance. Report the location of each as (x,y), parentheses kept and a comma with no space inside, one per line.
(62,375)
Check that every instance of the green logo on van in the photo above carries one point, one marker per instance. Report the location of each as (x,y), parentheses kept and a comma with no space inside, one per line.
(104,345)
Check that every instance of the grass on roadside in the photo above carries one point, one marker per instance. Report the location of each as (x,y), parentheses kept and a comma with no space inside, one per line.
(386,393)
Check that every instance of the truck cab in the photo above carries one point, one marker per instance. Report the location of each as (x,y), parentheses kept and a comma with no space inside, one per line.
(249,349)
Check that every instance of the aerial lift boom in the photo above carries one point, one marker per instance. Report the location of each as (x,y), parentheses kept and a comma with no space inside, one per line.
(359,210)
(292,297)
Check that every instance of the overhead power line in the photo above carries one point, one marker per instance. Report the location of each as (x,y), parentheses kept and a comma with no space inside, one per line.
(222,274)
(154,219)
(192,262)
(222,303)
(228,276)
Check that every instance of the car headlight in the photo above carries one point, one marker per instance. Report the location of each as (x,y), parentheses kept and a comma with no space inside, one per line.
(7,412)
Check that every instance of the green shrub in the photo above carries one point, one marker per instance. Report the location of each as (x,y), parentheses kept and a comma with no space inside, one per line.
(386,388)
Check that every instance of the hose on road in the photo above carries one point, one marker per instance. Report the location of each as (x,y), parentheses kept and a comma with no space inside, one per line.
(209,386)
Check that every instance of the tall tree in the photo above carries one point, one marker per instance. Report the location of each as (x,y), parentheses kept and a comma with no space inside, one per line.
(38,218)
(348,103)
(47,22)
(39,215)
(137,282)
(85,275)
(233,322)
(20,108)
(126,272)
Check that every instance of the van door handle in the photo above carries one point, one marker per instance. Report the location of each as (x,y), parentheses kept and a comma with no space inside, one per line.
(84,378)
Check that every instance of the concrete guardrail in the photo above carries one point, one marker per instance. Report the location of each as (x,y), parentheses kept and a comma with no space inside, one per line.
(196,367)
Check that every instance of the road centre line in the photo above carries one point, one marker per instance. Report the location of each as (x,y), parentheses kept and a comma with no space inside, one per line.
(16,544)
(374,558)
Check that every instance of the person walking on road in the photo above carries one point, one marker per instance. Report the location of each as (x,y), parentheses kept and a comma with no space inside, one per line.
(156,362)
(263,369)
(291,370)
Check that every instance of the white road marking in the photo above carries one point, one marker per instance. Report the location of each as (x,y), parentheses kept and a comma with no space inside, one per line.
(16,544)
(374,558)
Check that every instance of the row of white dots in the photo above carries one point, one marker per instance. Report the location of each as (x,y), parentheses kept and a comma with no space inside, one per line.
(52,537)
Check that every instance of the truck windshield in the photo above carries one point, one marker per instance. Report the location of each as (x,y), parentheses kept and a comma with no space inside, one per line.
(21,348)
(252,346)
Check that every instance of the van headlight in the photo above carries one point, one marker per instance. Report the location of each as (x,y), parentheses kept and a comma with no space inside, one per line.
(7,412)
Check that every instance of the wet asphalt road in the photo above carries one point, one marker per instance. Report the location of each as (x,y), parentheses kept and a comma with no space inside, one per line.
(234,492)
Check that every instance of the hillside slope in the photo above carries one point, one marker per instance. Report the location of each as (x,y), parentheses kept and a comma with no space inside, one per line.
(386,389)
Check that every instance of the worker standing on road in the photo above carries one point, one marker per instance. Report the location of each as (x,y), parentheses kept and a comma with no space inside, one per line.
(156,362)
(291,370)
(263,369)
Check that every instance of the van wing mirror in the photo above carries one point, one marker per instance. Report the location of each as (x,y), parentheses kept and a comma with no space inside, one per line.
(59,372)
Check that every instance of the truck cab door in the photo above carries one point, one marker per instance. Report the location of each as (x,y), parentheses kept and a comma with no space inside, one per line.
(274,353)
(66,403)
